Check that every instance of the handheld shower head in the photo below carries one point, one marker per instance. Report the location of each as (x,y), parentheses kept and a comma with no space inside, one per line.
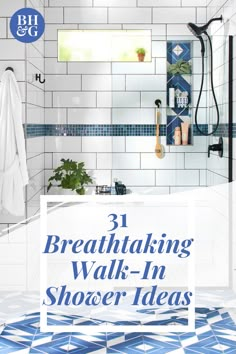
(197,31)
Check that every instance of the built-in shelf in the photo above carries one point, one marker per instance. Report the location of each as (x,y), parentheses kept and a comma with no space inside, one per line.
(180,111)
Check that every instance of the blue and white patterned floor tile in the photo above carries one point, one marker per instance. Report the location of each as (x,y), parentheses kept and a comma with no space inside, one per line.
(215,333)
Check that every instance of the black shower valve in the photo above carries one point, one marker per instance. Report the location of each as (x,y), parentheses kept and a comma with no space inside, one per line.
(216,147)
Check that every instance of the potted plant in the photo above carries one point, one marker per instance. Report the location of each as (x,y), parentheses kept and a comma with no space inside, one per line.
(181,67)
(141,54)
(70,175)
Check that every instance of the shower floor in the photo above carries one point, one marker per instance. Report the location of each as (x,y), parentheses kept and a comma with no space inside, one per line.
(215,332)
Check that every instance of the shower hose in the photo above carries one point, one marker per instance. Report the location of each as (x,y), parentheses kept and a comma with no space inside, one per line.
(213,92)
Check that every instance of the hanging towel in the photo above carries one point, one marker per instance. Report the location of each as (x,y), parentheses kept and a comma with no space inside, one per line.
(13,169)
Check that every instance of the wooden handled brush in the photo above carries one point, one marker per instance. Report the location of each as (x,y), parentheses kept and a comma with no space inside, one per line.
(159,148)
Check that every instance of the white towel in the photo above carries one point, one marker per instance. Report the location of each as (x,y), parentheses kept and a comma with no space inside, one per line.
(13,169)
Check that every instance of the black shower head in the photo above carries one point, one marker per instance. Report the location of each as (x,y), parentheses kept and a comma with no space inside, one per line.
(197,31)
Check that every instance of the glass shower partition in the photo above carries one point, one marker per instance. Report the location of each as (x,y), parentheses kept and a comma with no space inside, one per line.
(135,89)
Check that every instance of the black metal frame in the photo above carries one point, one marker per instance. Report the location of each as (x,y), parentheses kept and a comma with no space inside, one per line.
(230,110)
(230,161)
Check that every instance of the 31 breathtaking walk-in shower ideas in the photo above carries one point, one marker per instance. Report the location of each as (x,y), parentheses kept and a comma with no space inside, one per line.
(117,169)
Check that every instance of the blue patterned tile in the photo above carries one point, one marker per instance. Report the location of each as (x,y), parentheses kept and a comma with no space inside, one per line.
(186,335)
(206,346)
(113,351)
(184,53)
(58,346)
(230,351)
(204,311)
(227,341)
(196,350)
(206,335)
(10,346)
(152,343)
(172,123)
(217,337)
(224,324)
(177,51)
(133,346)
(84,347)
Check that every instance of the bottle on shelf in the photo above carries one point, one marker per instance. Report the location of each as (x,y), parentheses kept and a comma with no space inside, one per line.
(177,136)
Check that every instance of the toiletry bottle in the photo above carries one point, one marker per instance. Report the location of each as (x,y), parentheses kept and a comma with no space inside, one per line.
(171,97)
(184,128)
(177,136)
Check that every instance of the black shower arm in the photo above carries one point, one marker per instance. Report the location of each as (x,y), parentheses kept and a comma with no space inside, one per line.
(214,19)
(204,28)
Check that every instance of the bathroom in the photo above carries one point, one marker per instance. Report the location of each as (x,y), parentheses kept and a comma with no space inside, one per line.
(104,113)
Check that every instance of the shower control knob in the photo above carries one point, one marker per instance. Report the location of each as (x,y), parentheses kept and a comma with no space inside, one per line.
(216,147)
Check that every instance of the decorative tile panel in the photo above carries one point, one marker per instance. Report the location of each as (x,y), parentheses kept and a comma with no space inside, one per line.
(181,112)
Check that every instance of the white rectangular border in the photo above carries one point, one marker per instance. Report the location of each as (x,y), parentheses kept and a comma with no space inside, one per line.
(44,327)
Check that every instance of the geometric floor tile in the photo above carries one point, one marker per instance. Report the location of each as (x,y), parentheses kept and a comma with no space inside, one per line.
(215,333)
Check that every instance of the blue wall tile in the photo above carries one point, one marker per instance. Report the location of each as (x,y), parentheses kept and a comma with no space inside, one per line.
(36,130)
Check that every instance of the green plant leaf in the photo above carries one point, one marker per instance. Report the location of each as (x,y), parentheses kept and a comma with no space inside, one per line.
(70,175)
(180,67)
(141,51)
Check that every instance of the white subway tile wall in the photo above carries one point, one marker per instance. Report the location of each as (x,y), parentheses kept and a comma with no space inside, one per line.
(89,115)
(89,68)
(85,15)
(73,3)
(8,9)
(176,15)
(3,27)
(35,114)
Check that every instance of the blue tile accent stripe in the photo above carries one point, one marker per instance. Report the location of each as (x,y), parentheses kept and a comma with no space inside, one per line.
(223,130)
(104,130)
(202,127)
(36,130)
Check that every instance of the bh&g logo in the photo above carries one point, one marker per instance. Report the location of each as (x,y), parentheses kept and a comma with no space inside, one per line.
(27,25)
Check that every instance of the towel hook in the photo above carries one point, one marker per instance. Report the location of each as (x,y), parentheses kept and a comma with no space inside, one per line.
(158,103)
(38,77)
